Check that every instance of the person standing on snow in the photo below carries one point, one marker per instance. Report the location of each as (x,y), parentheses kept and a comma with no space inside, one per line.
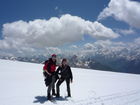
(65,75)
(50,75)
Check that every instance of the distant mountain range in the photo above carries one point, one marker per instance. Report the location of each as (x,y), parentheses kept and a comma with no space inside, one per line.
(99,62)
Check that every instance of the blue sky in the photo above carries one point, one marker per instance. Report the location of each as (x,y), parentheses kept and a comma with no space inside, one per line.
(13,10)
(29,10)
(32,9)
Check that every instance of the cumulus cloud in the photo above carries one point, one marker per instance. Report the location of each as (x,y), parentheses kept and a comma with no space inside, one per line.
(99,31)
(88,46)
(123,10)
(107,44)
(50,50)
(73,46)
(137,41)
(40,34)
(104,47)
(107,48)
(126,31)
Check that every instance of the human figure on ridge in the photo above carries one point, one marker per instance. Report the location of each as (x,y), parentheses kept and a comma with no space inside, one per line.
(65,75)
(49,71)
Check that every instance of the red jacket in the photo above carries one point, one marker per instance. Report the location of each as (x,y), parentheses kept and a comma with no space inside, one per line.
(50,66)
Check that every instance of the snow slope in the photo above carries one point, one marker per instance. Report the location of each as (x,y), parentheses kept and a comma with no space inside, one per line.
(23,84)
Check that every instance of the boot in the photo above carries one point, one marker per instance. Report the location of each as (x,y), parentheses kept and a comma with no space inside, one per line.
(57,95)
(53,92)
(49,96)
(69,95)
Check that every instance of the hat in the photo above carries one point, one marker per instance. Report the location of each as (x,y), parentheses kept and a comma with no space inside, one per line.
(53,55)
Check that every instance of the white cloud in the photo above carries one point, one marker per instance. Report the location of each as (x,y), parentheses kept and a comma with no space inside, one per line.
(107,44)
(126,31)
(107,48)
(123,10)
(137,41)
(99,31)
(54,50)
(39,34)
(73,46)
(88,46)
(103,44)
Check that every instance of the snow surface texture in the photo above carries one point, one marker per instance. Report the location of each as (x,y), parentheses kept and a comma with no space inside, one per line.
(23,84)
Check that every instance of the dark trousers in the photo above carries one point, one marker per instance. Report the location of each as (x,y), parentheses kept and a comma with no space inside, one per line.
(60,81)
(51,85)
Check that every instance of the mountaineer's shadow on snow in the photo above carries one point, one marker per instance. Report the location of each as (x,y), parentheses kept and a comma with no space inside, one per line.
(40,99)
(61,99)
(43,99)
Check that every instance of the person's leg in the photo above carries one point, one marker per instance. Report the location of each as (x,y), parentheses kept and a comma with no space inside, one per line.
(53,92)
(58,85)
(53,86)
(48,92)
(68,87)
(50,86)
(48,80)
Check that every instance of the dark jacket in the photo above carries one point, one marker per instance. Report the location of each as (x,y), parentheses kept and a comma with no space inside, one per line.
(65,72)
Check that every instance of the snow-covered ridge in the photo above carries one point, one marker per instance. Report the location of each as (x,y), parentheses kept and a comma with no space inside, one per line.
(22,84)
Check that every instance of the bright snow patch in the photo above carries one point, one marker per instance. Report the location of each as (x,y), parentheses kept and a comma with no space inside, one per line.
(23,84)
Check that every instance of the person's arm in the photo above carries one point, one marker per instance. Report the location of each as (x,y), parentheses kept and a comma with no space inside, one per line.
(57,71)
(48,72)
(46,69)
(71,76)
